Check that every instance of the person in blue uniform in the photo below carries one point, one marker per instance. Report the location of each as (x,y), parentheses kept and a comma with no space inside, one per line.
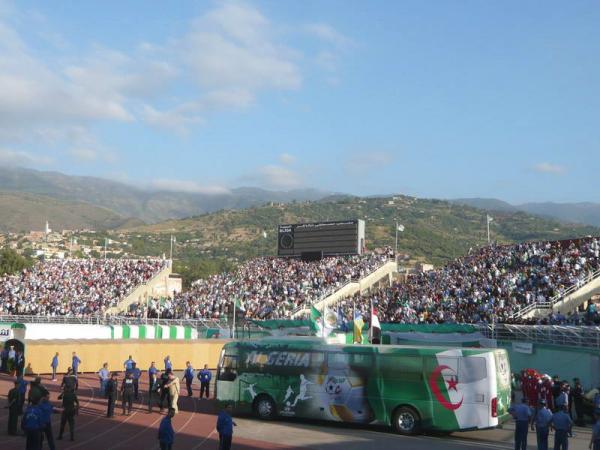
(595,439)
(46,411)
(204,376)
(225,426)
(521,413)
(136,373)
(188,375)
(562,423)
(103,377)
(166,434)
(75,363)
(128,364)
(32,425)
(168,363)
(54,365)
(541,421)
(13,409)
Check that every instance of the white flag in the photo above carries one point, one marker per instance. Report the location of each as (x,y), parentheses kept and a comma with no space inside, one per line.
(265,234)
(490,218)
(400,227)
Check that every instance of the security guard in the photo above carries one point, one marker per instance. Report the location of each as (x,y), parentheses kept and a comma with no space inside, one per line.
(541,420)
(70,405)
(14,409)
(562,424)
(204,376)
(595,440)
(127,392)
(135,376)
(46,411)
(521,413)
(577,400)
(112,390)
(32,426)
(188,375)
(164,389)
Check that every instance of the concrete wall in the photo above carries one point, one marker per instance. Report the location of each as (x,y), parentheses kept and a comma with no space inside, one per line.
(566,362)
(93,353)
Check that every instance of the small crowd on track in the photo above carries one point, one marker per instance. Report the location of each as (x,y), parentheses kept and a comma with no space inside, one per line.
(30,407)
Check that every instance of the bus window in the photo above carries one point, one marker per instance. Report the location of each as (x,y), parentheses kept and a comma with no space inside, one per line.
(471,369)
(228,368)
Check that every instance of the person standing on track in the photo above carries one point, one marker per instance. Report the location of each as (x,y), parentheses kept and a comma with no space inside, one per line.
(70,407)
(188,375)
(164,389)
(32,426)
(562,424)
(103,376)
(204,376)
(46,411)
(168,363)
(166,434)
(128,364)
(127,393)
(521,413)
(112,389)
(174,388)
(13,409)
(76,363)
(153,388)
(54,365)
(541,420)
(136,374)
(225,426)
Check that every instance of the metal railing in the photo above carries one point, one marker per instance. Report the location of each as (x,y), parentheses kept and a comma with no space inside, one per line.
(570,335)
(557,298)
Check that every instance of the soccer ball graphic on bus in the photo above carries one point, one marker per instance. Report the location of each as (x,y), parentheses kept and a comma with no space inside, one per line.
(345,398)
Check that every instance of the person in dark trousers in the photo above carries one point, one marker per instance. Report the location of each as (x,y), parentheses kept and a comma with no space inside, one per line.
(36,391)
(135,376)
(69,381)
(577,394)
(22,392)
(595,439)
(225,426)
(188,375)
(521,413)
(541,421)
(70,407)
(14,409)
(562,424)
(20,363)
(166,434)
(112,389)
(46,410)
(127,393)
(204,376)
(54,365)
(32,426)
(75,363)
(153,389)
(164,389)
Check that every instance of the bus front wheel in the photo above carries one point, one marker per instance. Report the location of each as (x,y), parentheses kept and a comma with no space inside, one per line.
(264,407)
(406,421)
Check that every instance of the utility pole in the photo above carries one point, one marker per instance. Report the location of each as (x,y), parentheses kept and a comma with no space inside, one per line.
(105,246)
(488,220)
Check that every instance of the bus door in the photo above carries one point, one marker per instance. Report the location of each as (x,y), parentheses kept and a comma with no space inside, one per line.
(227,378)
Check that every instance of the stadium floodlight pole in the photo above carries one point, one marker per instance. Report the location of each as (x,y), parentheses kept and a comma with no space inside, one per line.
(353,319)
(488,219)
(105,245)
(233,327)
(396,246)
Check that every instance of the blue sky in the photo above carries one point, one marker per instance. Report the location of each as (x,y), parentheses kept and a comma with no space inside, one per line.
(430,98)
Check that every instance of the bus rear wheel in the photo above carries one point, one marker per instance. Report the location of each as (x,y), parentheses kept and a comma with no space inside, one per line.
(406,421)
(264,407)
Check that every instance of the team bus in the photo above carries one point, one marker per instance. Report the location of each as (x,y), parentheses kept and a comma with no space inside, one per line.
(407,387)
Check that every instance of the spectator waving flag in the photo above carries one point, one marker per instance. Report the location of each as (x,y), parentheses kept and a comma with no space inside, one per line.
(358,326)
(316,321)
(342,324)
(375,327)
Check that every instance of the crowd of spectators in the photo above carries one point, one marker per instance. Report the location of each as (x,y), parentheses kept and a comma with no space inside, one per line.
(266,287)
(73,287)
(488,285)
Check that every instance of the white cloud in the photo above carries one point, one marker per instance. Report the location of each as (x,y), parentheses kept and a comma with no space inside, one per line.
(328,34)
(277,177)
(84,154)
(367,161)
(192,187)
(287,159)
(546,167)
(18,158)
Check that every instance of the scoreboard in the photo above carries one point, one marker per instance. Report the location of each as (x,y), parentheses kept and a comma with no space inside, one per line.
(321,239)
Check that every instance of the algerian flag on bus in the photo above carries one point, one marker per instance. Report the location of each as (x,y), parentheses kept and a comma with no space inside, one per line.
(375,331)
(358,326)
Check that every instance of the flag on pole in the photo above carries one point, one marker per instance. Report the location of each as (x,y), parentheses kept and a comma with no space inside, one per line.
(239,304)
(329,321)
(316,320)
(358,326)
(375,328)
(400,227)
(265,234)
(490,218)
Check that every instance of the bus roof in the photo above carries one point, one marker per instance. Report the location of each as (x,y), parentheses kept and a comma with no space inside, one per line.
(317,343)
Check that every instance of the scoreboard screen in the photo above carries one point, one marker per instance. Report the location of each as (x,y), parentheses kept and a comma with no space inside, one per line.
(322,238)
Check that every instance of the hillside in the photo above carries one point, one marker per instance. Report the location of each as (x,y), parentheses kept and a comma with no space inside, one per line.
(25,212)
(145,204)
(435,230)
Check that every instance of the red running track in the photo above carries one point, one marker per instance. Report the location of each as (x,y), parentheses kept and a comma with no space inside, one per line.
(194,425)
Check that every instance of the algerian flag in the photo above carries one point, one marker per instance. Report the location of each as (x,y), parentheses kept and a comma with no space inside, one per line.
(375,328)
(316,320)
(239,305)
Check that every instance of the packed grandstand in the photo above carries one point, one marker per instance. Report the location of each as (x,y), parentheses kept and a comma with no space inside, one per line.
(489,284)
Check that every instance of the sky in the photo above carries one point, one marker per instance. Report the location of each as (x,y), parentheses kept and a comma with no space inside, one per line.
(441,99)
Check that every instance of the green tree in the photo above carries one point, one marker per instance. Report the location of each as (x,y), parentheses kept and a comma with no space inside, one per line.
(11,262)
